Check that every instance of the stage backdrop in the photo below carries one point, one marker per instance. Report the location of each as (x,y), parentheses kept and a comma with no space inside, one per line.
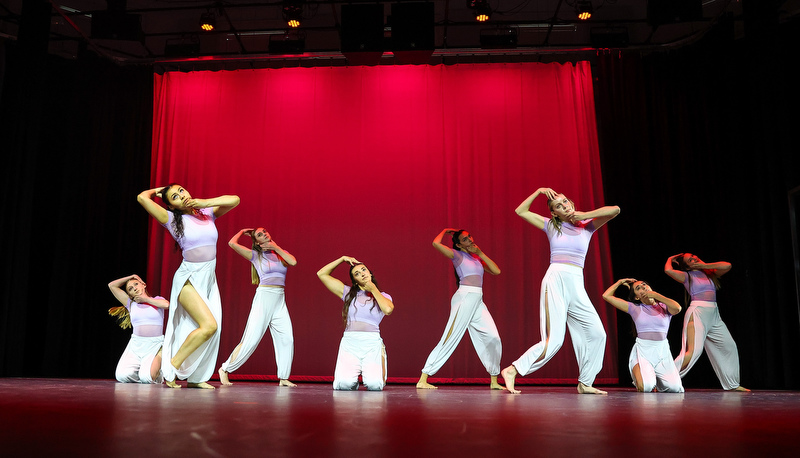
(373,162)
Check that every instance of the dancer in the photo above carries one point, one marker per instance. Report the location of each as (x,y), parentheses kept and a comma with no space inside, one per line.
(141,360)
(650,363)
(361,350)
(702,325)
(268,268)
(191,340)
(563,301)
(467,310)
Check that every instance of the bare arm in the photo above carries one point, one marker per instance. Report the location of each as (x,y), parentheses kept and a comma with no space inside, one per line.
(609,297)
(242,250)
(672,306)
(287,257)
(386,305)
(145,299)
(720,268)
(440,247)
(334,285)
(145,199)
(117,285)
(523,210)
(491,267)
(677,275)
(600,216)
(220,205)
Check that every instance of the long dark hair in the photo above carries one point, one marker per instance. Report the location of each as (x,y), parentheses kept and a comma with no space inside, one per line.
(354,289)
(177,215)
(456,241)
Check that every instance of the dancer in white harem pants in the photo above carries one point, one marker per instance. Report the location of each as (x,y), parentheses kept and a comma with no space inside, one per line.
(360,353)
(711,334)
(468,312)
(268,311)
(565,302)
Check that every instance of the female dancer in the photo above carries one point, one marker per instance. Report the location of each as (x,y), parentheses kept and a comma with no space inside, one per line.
(563,301)
(467,310)
(650,362)
(268,268)
(191,340)
(361,350)
(702,325)
(141,360)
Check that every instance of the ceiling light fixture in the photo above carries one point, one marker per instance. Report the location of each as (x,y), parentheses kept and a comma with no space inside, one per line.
(481,8)
(208,21)
(584,10)
(293,12)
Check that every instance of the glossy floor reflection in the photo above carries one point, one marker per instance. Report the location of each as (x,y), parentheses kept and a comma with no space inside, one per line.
(70,417)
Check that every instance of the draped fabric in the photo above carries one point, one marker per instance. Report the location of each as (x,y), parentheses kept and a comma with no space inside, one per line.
(373,162)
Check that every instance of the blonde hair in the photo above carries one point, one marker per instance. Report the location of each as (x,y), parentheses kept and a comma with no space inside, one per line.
(123,316)
(555,222)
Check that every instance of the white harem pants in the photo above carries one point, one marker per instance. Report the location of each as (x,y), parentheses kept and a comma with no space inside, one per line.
(360,353)
(268,311)
(711,334)
(468,312)
(137,359)
(656,366)
(564,298)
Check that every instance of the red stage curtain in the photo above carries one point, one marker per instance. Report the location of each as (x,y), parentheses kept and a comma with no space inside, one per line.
(373,162)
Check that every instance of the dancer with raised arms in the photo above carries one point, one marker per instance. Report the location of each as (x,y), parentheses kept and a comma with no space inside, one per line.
(563,302)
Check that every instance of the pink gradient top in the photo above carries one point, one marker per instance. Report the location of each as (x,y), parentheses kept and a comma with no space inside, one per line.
(571,245)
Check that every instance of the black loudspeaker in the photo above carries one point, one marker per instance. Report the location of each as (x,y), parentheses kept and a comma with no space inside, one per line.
(362,28)
(412,32)
(660,12)
(117,25)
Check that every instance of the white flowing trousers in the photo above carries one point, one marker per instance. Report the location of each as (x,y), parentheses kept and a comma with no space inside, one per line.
(360,353)
(200,365)
(268,311)
(468,312)
(564,298)
(711,334)
(137,359)
(656,366)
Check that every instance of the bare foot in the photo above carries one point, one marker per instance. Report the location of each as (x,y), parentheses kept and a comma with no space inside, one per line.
(285,382)
(172,384)
(201,385)
(509,374)
(739,388)
(493,385)
(223,378)
(425,386)
(584,389)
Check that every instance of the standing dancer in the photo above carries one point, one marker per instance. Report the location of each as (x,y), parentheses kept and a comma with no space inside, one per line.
(268,268)
(702,325)
(361,350)
(141,360)
(467,310)
(563,300)
(191,340)
(650,363)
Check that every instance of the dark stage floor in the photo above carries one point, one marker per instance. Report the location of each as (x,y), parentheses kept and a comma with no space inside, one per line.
(69,417)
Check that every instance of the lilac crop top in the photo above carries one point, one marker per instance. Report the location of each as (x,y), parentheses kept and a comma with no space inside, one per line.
(700,287)
(571,245)
(365,310)
(197,233)
(652,321)
(469,269)
(270,268)
(145,314)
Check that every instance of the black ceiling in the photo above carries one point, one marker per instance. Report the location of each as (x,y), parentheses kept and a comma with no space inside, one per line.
(170,31)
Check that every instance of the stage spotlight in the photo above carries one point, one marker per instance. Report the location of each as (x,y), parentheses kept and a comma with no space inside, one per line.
(482,10)
(208,21)
(293,12)
(584,10)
